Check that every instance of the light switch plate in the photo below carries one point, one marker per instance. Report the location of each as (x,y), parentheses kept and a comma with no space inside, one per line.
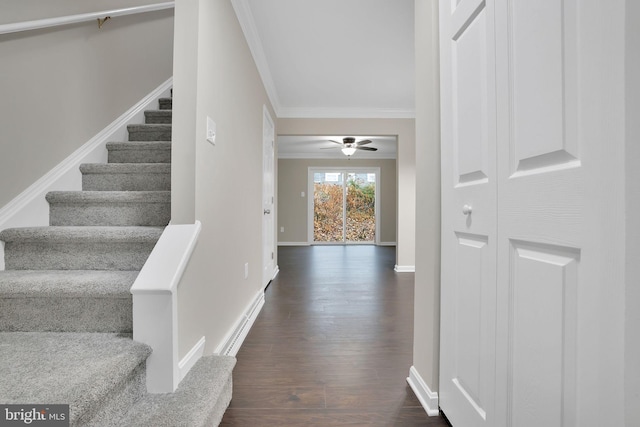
(211,130)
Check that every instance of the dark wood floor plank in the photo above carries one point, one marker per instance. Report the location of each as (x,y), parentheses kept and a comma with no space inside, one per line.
(332,346)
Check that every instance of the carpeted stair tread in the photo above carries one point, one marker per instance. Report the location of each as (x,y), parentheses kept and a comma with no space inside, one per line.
(108,196)
(96,374)
(81,234)
(139,152)
(66,301)
(78,248)
(72,283)
(158,116)
(126,176)
(113,208)
(139,145)
(149,132)
(200,400)
(125,168)
(165,103)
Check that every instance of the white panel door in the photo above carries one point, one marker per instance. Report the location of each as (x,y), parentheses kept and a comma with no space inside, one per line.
(530,323)
(467,362)
(542,234)
(268,194)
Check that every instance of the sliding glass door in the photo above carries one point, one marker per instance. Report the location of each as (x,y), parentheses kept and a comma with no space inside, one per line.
(343,206)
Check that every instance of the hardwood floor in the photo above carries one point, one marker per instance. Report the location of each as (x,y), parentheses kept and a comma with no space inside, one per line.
(332,345)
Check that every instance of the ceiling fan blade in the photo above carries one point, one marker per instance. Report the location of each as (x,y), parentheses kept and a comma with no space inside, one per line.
(335,142)
(366,148)
(329,148)
(364,142)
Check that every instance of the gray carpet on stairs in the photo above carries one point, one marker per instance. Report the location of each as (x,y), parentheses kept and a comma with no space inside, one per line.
(126,177)
(96,374)
(65,301)
(149,132)
(78,248)
(139,152)
(112,208)
(157,116)
(200,400)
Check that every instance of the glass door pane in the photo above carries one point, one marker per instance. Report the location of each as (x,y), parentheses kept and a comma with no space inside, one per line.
(328,207)
(361,207)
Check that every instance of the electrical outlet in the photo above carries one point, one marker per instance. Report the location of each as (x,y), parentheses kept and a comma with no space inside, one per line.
(211,130)
(282,229)
(302,194)
(246,270)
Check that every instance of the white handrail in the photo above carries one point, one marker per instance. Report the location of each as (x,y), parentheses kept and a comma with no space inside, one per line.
(84,17)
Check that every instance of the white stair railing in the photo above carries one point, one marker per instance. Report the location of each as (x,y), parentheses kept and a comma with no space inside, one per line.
(84,17)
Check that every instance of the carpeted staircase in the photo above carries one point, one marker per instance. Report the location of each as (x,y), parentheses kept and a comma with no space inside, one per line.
(65,305)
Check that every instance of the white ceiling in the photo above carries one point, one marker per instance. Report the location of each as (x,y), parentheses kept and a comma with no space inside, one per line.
(333,58)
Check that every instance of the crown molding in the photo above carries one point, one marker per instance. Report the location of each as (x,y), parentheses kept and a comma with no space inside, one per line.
(248,25)
(346,113)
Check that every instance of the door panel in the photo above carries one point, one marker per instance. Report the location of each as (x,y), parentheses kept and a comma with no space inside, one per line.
(360,210)
(467,368)
(541,362)
(471,319)
(469,91)
(541,196)
(328,207)
(542,79)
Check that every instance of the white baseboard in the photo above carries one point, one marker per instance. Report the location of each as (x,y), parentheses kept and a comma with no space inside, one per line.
(275,272)
(405,268)
(190,359)
(387,244)
(30,208)
(428,398)
(235,337)
(293,244)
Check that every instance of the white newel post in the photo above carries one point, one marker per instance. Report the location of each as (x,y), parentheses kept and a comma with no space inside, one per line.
(155,317)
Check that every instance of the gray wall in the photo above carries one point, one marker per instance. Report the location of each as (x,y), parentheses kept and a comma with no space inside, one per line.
(221,185)
(293,209)
(426,340)
(61,86)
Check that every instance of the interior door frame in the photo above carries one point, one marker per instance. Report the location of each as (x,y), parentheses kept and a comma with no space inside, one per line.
(310,192)
(269,267)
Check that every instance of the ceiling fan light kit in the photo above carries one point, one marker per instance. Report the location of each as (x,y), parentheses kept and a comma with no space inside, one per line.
(348,151)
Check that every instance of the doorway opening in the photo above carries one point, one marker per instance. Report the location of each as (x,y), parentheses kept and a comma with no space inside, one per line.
(344,205)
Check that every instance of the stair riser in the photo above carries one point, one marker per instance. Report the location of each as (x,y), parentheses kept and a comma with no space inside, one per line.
(65,314)
(115,214)
(76,256)
(163,118)
(165,103)
(126,182)
(139,156)
(150,135)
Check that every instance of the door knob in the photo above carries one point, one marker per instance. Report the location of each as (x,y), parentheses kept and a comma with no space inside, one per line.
(266,211)
(467,209)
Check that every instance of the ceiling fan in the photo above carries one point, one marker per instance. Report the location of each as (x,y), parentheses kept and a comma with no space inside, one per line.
(349,145)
